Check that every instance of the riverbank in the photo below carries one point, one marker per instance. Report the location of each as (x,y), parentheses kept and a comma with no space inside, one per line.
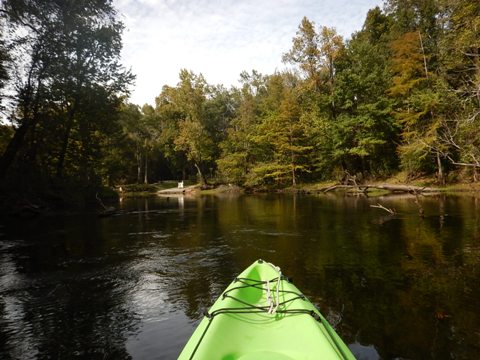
(375,187)
(371,188)
(59,199)
(73,199)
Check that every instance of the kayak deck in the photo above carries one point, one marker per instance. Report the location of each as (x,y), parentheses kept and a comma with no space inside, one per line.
(261,315)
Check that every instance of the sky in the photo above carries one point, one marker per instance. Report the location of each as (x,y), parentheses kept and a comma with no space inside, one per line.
(220,38)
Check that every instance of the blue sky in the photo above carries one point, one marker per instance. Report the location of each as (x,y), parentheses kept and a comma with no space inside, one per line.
(220,38)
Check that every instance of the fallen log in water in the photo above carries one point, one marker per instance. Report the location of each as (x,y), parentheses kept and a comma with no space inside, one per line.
(388,187)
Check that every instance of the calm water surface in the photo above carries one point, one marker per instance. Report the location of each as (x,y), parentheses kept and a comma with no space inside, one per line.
(135,285)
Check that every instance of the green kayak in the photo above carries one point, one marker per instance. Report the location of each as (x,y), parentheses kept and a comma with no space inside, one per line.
(262,315)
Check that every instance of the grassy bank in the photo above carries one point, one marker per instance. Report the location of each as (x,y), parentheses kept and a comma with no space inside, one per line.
(316,187)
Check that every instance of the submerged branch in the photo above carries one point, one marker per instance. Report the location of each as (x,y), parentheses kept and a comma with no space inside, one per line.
(390,211)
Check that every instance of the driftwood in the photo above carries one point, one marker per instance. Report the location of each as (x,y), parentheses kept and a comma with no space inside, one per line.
(392,188)
(25,209)
(390,211)
(107,210)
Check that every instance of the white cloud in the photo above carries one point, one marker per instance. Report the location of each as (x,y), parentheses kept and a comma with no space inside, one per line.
(220,38)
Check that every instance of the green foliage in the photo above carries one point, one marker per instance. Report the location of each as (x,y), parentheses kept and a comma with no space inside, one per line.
(402,93)
(122,161)
(283,132)
(199,120)
(365,130)
(461,71)
(233,167)
(407,64)
(193,139)
(68,83)
(239,151)
(306,50)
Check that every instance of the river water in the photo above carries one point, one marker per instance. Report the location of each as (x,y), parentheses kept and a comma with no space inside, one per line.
(134,286)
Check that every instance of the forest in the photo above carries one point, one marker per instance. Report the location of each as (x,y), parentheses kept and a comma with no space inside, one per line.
(401,95)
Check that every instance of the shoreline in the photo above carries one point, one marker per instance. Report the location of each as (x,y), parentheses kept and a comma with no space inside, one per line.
(32,206)
(372,188)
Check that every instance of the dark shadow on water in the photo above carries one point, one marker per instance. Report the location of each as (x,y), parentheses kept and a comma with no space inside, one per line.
(136,284)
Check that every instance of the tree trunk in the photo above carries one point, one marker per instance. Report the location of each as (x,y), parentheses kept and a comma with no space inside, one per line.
(332,85)
(30,106)
(441,178)
(87,172)
(139,164)
(28,122)
(13,146)
(423,53)
(63,152)
(71,114)
(145,175)
(294,180)
(203,180)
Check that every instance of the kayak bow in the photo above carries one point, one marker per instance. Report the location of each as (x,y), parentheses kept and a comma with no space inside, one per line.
(262,315)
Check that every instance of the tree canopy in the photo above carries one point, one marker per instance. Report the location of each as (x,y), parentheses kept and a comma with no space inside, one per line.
(401,94)
(66,86)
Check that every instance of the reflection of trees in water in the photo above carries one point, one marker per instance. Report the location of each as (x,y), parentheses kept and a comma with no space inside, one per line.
(13,324)
(393,284)
(187,249)
(65,317)
(412,290)
(407,286)
(427,311)
(66,305)
(82,318)
(396,284)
